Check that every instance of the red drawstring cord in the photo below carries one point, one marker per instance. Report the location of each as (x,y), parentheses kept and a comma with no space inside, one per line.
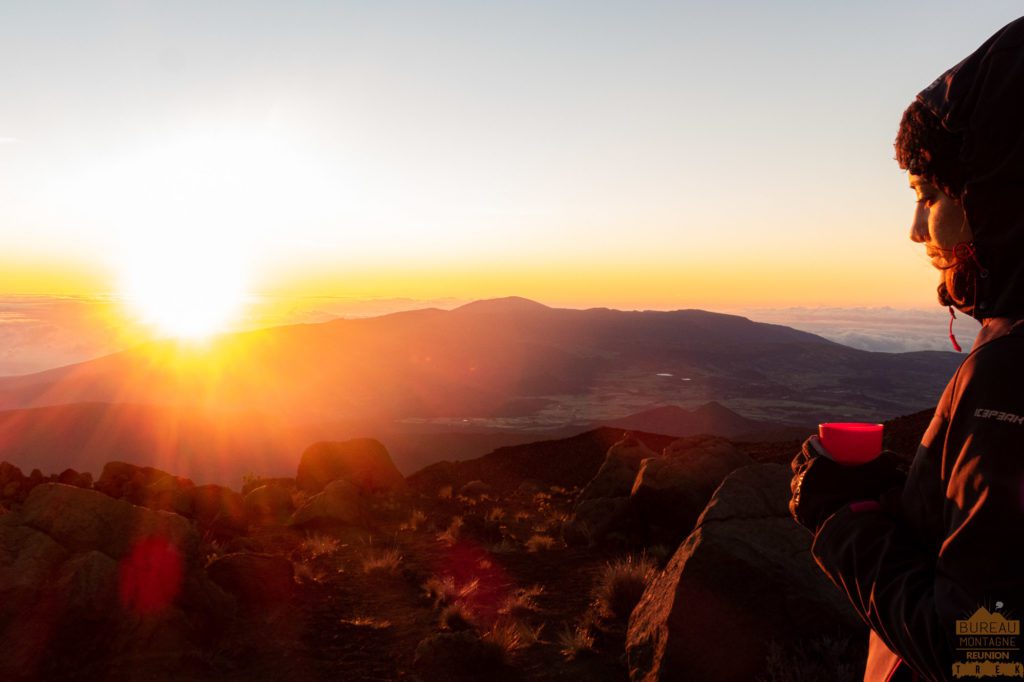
(965,251)
(952,316)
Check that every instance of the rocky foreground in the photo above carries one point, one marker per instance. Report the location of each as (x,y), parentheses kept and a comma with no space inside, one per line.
(657,561)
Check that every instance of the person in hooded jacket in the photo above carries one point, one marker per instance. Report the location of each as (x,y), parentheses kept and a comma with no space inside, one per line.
(917,553)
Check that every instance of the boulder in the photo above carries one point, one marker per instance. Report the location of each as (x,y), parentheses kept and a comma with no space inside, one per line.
(169,493)
(340,504)
(594,521)
(670,491)
(83,520)
(146,486)
(268,505)
(250,484)
(476,489)
(219,511)
(259,581)
(618,471)
(363,462)
(743,581)
(11,480)
(72,477)
(603,506)
(83,572)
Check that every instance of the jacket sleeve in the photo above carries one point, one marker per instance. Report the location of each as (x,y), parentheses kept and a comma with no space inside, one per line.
(907,593)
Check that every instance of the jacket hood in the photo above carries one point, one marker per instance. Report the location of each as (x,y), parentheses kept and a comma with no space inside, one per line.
(982,99)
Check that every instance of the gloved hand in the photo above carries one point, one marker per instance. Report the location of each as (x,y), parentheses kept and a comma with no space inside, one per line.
(820,486)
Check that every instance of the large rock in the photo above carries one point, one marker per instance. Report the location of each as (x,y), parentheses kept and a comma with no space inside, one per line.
(251,484)
(169,493)
(340,504)
(670,491)
(219,511)
(363,462)
(618,471)
(268,505)
(72,477)
(11,481)
(146,486)
(603,510)
(743,579)
(81,571)
(259,581)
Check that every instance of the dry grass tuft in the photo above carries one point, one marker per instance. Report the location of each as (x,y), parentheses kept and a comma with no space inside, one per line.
(505,635)
(823,658)
(521,602)
(382,561)
(575,641)
(416,519)
(367,622)
(307,575)
(318,545)
(622,584)
(457,616)
(452,533)
(445,591)
(538,543)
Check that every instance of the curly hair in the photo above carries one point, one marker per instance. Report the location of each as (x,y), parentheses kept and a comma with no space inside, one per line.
(925,147)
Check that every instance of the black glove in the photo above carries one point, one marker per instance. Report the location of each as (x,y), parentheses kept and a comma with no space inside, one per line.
(820,486)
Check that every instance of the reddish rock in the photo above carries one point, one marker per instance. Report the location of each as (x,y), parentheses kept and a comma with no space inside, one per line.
(10,474)
(340,504)
(476,489)
(671,491)
(72,477)
(219,510)
(284,483)
(81,571)
(268,505)
(259,581)
(743,579)
(618,471)
(144,486)
(363,462)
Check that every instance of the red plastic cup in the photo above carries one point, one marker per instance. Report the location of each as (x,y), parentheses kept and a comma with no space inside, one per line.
(851,442)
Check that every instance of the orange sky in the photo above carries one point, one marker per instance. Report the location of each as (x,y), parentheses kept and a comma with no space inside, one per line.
(168,154)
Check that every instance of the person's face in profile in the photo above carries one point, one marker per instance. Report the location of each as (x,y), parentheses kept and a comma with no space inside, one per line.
(939,222)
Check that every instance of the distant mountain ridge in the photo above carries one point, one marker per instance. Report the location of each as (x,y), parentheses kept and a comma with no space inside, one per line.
(710,418)
(505,359)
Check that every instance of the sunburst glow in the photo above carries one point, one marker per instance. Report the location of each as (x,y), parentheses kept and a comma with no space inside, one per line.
(184,290)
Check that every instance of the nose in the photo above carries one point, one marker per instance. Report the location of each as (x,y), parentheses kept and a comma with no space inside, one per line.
(919,228)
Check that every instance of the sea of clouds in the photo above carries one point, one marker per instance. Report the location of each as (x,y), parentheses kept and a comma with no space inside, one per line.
(888,330)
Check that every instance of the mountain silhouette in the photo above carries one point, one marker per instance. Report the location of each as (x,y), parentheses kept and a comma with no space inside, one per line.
(505,358)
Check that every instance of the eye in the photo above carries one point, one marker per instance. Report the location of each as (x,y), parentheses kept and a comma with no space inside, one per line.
(927,199)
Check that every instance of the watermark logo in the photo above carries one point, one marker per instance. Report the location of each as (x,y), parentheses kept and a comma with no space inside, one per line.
(987,646)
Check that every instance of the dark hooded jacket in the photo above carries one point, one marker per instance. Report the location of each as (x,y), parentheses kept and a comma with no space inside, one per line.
(953,541)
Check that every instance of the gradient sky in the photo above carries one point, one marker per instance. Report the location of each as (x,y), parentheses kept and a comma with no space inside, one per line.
(633,155)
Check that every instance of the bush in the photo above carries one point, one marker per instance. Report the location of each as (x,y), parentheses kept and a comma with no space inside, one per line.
(622,584)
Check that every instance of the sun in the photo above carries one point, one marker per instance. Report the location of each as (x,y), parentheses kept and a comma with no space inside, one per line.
(188,291)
